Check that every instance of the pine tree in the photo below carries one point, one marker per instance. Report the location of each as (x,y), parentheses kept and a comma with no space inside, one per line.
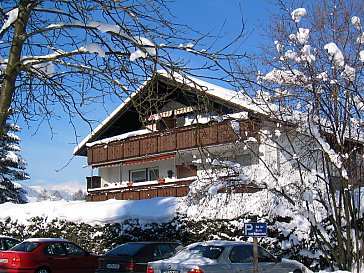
(12,167)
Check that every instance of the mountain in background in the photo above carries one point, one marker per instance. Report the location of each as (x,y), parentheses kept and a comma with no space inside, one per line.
(42,193)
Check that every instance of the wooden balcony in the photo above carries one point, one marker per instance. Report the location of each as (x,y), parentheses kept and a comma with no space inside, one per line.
(176,139)
(178,188)
(139,192)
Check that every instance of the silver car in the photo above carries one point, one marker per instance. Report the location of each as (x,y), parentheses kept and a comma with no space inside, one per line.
(223,256)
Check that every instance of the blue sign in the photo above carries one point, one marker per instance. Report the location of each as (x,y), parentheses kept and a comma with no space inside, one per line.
(255,229)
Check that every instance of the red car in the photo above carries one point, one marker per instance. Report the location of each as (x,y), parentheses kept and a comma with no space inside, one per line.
(47,255)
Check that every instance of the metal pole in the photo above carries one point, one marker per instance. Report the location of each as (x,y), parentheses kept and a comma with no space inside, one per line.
(255,254)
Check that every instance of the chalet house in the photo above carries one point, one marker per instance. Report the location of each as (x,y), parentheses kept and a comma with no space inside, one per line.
(166,135)
(163,137)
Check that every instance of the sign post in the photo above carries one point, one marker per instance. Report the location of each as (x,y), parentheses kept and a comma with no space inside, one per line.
(255,230)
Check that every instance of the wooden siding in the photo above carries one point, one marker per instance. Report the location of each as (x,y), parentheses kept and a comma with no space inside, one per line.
(172,140)
(176,189)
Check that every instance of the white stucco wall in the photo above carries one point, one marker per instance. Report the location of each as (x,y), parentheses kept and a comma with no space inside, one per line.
(122,173)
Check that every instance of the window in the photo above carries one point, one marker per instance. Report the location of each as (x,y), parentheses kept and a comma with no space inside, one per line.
(241,254)
(26,247)
(7,243)
(55,249)
(180,121)
(153,174)
(244,254)
(144,175)
(138,175)
(74,250)
(211,252)
(264,256)
(166,250)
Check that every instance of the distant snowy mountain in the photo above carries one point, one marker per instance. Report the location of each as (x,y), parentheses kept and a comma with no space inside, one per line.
(53,192)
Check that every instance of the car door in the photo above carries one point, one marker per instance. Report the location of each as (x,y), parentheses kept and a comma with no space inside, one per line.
(56,258)
(166,251)
(148,253)
(79,259)
(268,263)
(241,259)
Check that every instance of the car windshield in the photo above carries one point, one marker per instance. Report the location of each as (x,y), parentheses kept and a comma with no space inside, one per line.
(25,247)
(207,251)
(125,249)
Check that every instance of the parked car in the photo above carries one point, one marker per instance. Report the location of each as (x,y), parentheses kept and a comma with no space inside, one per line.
(223,256)
(134,256)
(7,242)
(46,255)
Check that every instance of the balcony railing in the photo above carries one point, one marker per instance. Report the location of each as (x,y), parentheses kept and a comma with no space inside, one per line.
(176,139)
(139,192)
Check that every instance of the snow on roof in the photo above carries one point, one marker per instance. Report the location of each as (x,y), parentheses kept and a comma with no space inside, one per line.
(46,240)
(233,97)
(119,137)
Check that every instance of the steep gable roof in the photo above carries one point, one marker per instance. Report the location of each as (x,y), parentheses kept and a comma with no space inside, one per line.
(217,93)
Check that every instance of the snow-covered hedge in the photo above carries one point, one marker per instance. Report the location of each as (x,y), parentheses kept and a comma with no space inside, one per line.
(100,238)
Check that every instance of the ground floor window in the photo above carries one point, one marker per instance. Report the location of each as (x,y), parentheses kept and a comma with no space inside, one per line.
(153,174)
(142,175)
(138,175)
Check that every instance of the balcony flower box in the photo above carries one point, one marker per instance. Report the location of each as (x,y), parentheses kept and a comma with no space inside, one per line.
(161,180)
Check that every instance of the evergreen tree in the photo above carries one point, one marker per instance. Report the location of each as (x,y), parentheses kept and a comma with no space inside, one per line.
(12,167)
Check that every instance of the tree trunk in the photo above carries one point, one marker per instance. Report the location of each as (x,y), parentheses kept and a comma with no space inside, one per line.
(13,66)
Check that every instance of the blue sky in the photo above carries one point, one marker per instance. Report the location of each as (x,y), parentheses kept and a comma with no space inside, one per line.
(49,155)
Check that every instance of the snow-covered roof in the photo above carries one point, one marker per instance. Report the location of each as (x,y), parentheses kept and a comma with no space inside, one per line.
(232,97)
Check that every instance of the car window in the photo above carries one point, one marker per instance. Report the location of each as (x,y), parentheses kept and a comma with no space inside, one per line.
(241,254)
(264,256)
(244,254)
(2,244)
(25,246)
(6,243)
(211,252)
(149,252)
(166,250)
(55,249)
(74,250)
(11,242)
(126,249)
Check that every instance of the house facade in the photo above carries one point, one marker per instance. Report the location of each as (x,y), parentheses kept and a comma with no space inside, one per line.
(166,135)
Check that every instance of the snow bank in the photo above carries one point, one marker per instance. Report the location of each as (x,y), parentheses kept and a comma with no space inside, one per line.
(148,211)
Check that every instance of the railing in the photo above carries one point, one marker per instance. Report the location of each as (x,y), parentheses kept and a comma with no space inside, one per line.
(173,140)
(178,188)
(139,192)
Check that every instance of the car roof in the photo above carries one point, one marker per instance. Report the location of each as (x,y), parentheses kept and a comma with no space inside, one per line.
(8,237)
(46,240)
(220,243)
(152,242)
